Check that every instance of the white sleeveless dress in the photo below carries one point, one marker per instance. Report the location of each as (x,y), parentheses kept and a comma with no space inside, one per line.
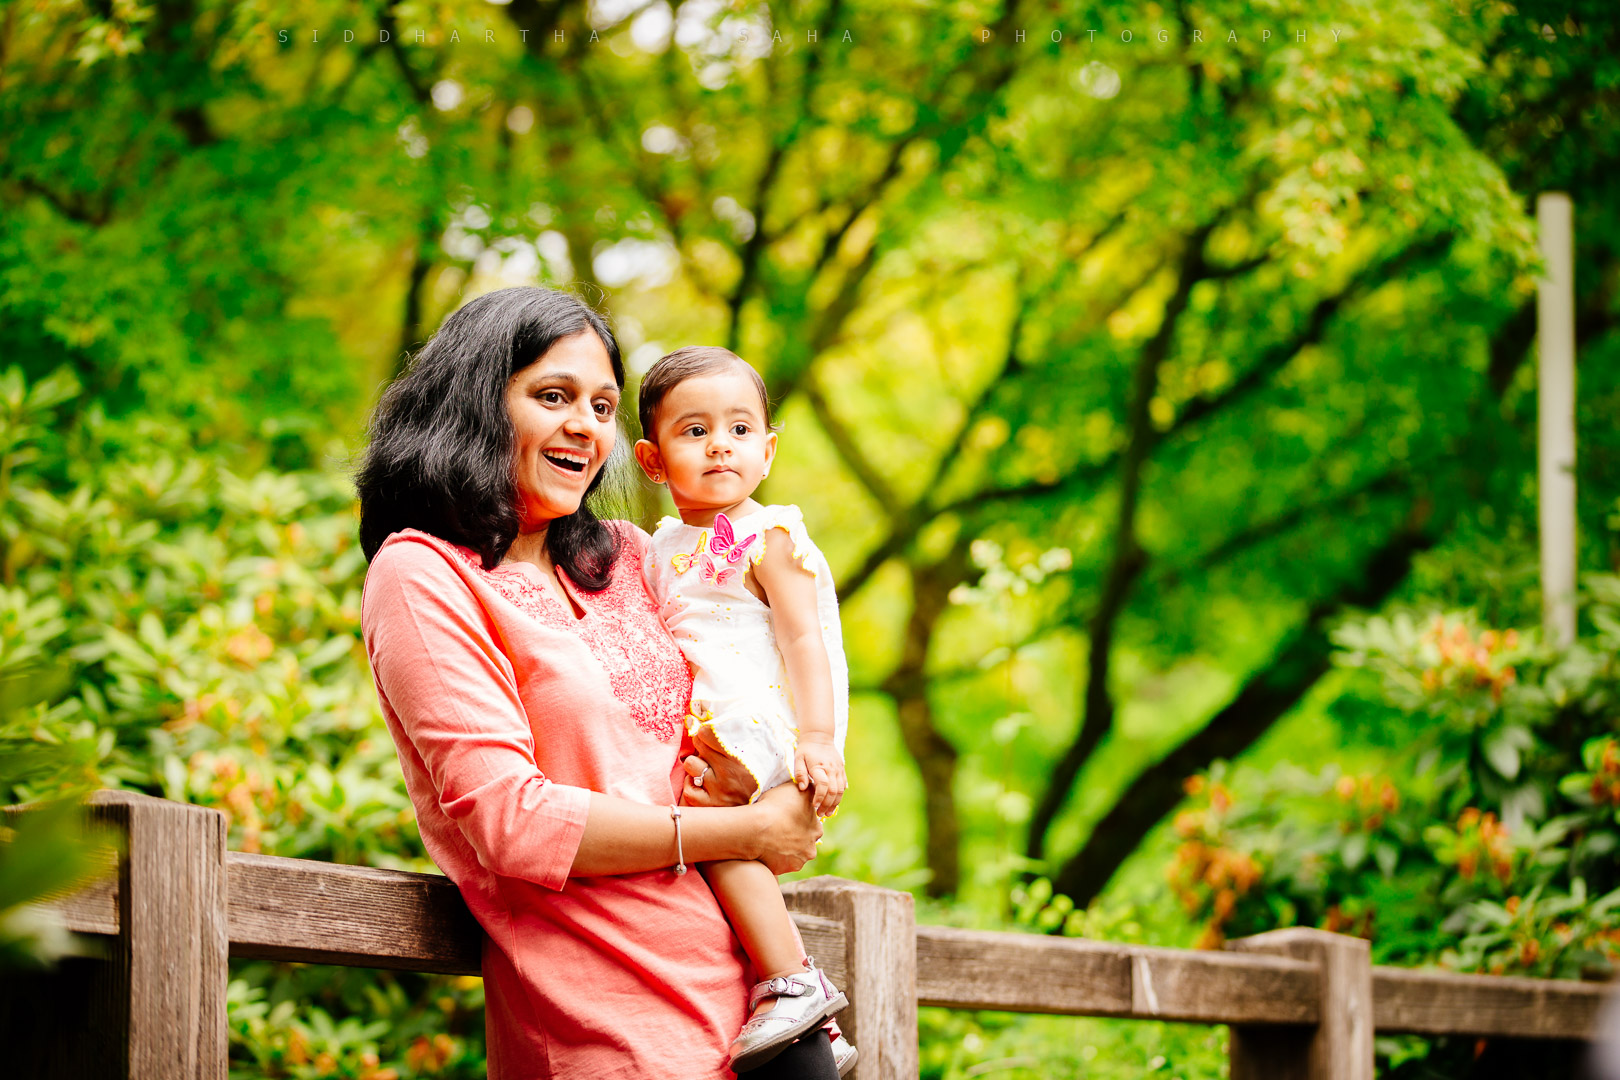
(740,685)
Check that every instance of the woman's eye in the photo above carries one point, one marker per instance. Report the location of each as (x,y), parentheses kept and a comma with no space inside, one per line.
(604,408)
(551,397)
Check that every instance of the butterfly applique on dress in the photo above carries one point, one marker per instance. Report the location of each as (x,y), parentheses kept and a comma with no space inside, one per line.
(714,573)
(683,561)
(724,542)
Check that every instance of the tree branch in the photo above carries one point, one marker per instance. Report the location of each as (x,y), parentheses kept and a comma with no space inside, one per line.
(1129,558)
(1268,695)
(1300,660)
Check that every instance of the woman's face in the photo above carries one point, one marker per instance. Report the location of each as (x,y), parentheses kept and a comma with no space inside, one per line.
(564,407)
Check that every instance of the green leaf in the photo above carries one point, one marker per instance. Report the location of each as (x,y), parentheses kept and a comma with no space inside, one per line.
(1502,749)
(1354,850)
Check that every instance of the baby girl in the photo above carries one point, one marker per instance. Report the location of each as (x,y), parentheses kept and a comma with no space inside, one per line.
(750,601)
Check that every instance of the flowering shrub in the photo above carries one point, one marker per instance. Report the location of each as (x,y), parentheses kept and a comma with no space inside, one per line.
(177,624)
(1493,853)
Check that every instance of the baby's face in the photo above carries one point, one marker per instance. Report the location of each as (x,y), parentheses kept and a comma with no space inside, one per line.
(714,442)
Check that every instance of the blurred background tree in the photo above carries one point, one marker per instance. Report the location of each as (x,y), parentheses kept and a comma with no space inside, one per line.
(1116,377)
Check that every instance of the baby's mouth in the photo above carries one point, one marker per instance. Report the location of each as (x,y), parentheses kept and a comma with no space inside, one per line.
(567,459)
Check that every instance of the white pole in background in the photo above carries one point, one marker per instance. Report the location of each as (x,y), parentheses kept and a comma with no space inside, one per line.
(1555,320)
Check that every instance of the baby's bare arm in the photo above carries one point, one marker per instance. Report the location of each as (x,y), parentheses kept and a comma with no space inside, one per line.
(790,590)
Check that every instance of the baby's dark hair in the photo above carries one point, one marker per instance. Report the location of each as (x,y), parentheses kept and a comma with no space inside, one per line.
(689,363)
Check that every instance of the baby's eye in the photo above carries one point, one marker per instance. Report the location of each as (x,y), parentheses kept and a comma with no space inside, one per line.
(696,431)
(739,429)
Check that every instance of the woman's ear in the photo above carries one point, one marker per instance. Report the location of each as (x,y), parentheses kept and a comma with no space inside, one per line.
(650,460)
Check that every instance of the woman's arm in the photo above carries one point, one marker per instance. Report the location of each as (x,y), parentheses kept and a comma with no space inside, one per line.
(623,837)
(790,589)
(452,691)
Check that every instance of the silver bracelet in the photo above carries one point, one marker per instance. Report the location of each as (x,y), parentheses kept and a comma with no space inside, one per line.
(680,859)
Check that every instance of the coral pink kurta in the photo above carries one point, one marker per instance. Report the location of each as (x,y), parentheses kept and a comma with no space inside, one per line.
(507,711)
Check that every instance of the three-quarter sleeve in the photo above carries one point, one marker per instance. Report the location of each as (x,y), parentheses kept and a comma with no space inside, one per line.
(441,673)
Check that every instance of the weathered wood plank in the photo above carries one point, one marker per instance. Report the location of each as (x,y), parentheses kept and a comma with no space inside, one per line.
(314,912)
(358,916)
(1222,988)
(824,939)
(324,913)
(981,969)
(1340,1045)
(1445,1003)
(880,930)
(162,992)
(91,910)
(975,969)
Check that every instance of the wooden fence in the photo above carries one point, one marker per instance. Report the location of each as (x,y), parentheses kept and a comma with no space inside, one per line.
(1301,1003)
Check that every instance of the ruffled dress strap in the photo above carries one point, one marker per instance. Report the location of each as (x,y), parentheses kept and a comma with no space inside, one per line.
(790,519)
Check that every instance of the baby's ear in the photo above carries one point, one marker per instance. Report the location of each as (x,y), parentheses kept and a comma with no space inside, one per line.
(650,460)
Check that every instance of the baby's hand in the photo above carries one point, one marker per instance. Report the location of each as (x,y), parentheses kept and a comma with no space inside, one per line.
(817,761)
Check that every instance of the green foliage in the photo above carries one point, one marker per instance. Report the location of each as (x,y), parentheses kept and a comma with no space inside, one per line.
(1489,847)
(181,630)
(950,259)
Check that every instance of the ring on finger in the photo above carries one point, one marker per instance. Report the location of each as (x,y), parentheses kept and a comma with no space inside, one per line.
(697,781)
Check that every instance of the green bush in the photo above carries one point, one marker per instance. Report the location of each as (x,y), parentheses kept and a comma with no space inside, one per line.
(171,625)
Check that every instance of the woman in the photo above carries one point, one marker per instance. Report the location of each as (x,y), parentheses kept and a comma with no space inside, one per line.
(536,702)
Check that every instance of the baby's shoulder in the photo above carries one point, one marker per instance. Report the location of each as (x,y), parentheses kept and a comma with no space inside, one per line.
(789,519)
(671,532)
(784,516)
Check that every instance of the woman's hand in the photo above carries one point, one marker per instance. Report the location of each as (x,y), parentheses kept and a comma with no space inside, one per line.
(713,778)
(788,828)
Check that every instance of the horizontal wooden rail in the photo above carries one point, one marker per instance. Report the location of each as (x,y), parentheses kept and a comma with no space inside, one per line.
(323,913)
(1445,1003)
(357,916)
(1300,1002)
(979,969)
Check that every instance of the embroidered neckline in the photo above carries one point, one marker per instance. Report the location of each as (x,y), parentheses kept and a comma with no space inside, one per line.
(645,669)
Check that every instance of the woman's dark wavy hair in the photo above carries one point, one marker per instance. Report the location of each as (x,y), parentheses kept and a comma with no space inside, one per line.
(441,448)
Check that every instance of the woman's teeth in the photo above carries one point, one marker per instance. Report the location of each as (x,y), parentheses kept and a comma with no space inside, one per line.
(571,462)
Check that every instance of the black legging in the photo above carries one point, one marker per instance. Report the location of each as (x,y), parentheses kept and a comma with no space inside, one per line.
(811,1058)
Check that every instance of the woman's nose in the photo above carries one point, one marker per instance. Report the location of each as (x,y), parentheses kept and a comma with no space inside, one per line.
(578,422)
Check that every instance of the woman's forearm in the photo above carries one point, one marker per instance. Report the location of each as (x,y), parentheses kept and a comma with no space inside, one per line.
(623,837)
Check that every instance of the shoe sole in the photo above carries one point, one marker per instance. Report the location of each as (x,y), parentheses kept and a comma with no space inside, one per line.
(759,1055)
(849,1062)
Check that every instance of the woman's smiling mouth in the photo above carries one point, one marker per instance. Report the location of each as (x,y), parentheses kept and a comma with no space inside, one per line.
(573,461)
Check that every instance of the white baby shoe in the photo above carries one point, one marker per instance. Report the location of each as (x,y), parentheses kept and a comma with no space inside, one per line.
(803,1003)
(844,1054)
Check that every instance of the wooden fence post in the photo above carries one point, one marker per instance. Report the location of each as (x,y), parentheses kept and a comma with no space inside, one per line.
(1340,1046)
(880,942)
(153,1007)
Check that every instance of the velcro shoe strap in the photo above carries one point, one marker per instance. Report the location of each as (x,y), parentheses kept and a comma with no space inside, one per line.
(781,986)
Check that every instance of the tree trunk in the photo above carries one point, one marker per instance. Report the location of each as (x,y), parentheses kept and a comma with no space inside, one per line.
(934,754)
(1300,661)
